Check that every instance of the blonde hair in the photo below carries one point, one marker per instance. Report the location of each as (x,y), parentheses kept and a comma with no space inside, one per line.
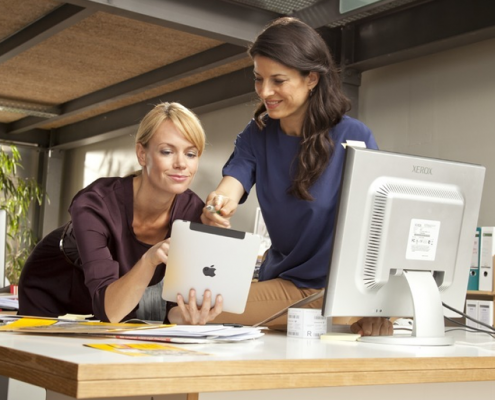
(184,120)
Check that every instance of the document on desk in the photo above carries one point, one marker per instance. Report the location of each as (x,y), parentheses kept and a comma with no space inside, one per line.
(9,302)
(61,326)
(149,332)
(195,334)
(145,349)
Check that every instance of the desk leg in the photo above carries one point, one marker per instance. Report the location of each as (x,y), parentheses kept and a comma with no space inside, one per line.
(57,396)
(4,388)
(12,389)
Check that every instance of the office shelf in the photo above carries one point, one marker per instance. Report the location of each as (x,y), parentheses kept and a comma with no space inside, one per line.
(481,293)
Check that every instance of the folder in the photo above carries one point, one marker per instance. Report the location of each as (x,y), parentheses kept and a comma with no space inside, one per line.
(472,307)
(473,282)
(487,251)
(485,312)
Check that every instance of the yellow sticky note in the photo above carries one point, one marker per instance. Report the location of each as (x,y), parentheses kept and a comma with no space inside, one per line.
(337,336)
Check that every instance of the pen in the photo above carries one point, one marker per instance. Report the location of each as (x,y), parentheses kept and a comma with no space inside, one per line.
(232,325)
(211,208)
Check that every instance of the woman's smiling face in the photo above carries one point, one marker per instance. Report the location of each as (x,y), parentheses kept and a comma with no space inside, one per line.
(170,160)
(284,91)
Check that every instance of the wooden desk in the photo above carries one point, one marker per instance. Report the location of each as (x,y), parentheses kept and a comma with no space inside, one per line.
(68,370)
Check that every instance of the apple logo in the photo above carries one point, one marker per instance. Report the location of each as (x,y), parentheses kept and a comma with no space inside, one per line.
(209,271)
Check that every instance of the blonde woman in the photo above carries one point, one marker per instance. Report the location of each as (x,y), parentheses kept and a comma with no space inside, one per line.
(116,244)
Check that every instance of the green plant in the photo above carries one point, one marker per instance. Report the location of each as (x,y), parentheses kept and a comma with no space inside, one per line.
(17,194)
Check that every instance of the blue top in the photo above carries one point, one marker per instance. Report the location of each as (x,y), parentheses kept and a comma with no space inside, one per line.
(301,231)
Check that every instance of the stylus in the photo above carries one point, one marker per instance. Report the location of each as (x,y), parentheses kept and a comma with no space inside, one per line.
(211,208)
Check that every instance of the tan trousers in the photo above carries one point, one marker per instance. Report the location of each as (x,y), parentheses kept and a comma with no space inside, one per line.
(267,298)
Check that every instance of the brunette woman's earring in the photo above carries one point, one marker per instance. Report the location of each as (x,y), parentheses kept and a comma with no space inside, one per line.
(310,92)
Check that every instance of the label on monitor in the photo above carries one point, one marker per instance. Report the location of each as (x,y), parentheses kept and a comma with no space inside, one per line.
(423,240)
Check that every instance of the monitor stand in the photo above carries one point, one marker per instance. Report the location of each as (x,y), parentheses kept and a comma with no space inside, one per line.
(429,327)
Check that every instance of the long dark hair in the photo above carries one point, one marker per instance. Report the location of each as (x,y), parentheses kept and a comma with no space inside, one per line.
(295,44)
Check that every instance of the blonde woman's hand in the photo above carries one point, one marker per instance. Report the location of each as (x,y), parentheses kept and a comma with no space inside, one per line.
(158,253)
(191,313)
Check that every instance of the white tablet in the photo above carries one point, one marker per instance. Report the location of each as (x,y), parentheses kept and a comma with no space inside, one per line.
(207,257)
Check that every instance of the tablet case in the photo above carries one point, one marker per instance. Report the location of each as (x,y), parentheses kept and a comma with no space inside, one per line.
(207,257)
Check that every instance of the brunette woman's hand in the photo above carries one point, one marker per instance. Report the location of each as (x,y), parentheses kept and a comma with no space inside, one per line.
(191,313)
(373,326)
(218,210)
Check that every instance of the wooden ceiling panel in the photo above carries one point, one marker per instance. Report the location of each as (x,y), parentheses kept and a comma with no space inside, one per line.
(7,117)
(155,92)
(100,51)
(16,14)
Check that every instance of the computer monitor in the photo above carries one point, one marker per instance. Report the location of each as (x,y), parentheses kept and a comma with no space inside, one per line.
(403,241)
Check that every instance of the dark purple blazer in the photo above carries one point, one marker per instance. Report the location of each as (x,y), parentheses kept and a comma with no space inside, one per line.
(102,215)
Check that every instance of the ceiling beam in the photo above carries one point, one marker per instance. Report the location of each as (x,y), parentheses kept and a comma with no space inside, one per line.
(227,90)
(215,19)
(59,19)
(419,31)
(195,64)
(36,137)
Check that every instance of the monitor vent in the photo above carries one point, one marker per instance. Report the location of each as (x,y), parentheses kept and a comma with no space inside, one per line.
(390,188)
(374,240)
(382,194)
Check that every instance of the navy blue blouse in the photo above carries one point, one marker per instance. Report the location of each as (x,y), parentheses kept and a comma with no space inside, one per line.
(301,231)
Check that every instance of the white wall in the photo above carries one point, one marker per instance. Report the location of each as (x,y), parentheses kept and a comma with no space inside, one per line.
(117,157)
(440,106)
